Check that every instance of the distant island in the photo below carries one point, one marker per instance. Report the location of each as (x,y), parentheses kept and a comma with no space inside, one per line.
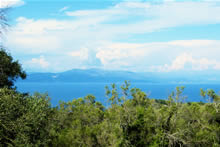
(100,75)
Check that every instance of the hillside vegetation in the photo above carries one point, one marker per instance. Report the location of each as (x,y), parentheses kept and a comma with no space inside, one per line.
(130,120)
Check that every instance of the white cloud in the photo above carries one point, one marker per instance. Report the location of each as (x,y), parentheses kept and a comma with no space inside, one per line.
(200,55)
(82,54)
(153,17)
(185,59)
(121,54)
(10,3)
(37,63)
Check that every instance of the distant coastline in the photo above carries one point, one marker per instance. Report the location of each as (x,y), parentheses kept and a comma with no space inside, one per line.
(102,76)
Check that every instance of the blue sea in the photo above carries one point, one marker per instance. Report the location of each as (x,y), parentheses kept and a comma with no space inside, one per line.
(69,91)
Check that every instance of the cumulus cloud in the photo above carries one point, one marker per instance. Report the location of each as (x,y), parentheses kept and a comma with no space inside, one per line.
(183,54)
(38,63)
(115,55)
(10,3)
(82,54)
(181,62)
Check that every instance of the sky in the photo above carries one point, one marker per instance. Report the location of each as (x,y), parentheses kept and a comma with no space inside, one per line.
(131,35)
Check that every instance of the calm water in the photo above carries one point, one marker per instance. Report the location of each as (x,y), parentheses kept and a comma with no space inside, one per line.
(69,91)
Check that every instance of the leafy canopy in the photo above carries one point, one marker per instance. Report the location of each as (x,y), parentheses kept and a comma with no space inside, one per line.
(10,70)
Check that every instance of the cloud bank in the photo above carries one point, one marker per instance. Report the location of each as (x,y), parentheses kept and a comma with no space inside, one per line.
(91,38)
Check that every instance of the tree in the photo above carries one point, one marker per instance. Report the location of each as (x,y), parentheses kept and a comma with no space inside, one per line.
(25,120)
(210,93)
(10,70)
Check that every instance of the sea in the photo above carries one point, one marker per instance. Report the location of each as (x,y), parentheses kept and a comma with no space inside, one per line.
(68,91)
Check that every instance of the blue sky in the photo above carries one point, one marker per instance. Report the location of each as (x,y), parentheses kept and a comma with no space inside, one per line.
(137,35)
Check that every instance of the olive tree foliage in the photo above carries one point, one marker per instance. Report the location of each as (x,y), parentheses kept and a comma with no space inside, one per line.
(25,120)
(209,95)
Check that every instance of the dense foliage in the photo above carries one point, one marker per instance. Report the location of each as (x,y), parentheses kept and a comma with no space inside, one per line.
(24,120)
(9,70)
(131,119)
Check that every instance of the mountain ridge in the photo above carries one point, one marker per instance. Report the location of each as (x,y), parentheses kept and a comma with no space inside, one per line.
(100,75)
